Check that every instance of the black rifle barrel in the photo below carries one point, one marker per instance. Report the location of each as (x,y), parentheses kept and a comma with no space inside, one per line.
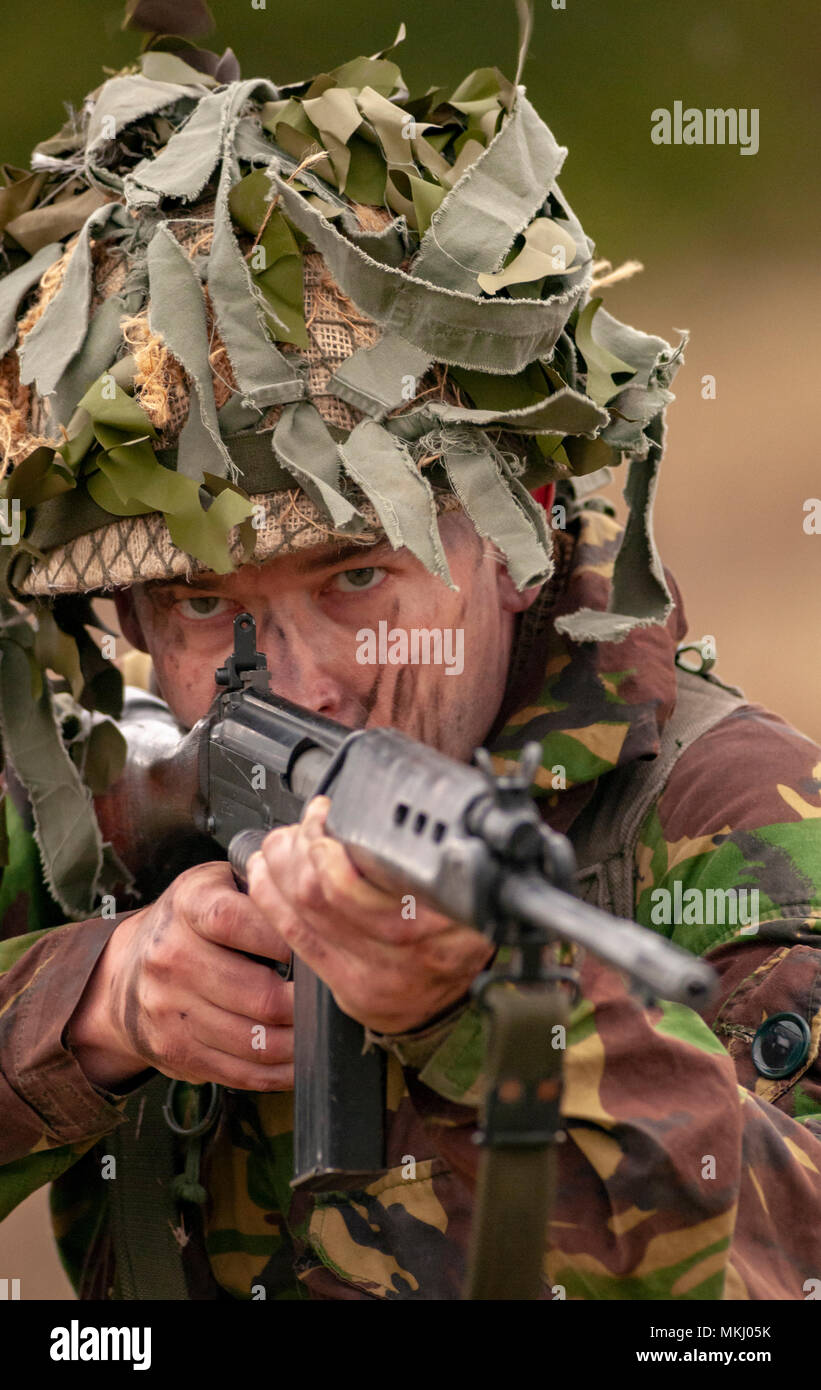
(658,966)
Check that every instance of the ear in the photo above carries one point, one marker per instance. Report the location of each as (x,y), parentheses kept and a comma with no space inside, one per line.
(514,600)
(128,620)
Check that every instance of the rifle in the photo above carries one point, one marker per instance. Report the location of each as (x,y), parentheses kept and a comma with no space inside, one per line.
(413,821)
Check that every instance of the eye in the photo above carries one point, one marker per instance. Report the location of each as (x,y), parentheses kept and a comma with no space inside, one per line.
(203,606)
(355,581)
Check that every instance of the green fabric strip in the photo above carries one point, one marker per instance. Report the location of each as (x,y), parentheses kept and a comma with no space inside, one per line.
(471,232)
(18,194)
(500,336)
(234,416)
(264,375)
(641,350)
(250,143)
(66,829)
(388,120)
(377,379)
(123,100)
(178,313)
(59,332)
(102,342)
(531,508)
(302,443)
(401,495)
(390,246)
(56,220)
(251,454)
(13,287)
(566,412)
(336,116)
(646,395)
(480,482)
(495,199)
(639,595)
(638,405)
(184,166)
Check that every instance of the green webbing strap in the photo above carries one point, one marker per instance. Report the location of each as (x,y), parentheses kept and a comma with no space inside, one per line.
(142,1211)
(517,1173)
(513,1201)
(71,848)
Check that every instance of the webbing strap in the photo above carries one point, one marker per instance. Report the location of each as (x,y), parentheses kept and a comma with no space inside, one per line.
(520,1114)
(514,1196)
(605,834)
(142,1211)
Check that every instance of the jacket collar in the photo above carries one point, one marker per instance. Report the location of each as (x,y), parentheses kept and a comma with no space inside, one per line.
(592,706)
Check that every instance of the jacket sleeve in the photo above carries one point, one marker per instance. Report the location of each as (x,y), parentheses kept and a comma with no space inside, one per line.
(683,1168)
(51,1113)
(742,812)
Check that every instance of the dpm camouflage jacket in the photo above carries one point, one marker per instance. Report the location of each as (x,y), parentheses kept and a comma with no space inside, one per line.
(685,1168)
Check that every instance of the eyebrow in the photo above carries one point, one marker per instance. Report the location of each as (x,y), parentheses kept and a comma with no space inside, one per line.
(317,558)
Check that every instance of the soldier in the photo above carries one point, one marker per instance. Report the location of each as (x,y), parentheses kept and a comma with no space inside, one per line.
(322,354)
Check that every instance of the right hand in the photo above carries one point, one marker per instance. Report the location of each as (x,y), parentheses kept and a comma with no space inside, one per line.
(172,991)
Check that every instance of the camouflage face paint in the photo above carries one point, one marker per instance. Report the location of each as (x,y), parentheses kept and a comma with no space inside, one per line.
(309,610)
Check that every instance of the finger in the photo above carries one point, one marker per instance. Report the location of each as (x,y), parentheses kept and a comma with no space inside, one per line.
(224,1070)
(314,817)
(286,854)
(229,981)
(311,938)
(370,979)
(344,883)
(230,918)
(304,869)
(282,842)
(225,978)
(325,892)
(202,877)
(305,921)
(243,1038)
(379,915)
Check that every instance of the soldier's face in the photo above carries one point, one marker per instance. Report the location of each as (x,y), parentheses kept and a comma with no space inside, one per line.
(315,611)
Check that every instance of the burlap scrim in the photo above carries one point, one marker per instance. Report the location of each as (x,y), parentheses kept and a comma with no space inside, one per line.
(136,549)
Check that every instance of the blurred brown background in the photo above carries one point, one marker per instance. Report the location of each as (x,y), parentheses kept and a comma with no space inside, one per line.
(728,241)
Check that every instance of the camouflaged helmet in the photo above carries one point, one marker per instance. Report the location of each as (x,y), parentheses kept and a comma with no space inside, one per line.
(237,319)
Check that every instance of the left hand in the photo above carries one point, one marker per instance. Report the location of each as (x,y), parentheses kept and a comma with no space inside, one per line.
(390,972)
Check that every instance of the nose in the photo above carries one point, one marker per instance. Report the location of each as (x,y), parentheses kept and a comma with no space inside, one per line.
(301,661)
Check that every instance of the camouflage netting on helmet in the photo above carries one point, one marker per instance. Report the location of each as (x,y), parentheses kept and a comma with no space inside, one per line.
(239,318)
(123,551)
